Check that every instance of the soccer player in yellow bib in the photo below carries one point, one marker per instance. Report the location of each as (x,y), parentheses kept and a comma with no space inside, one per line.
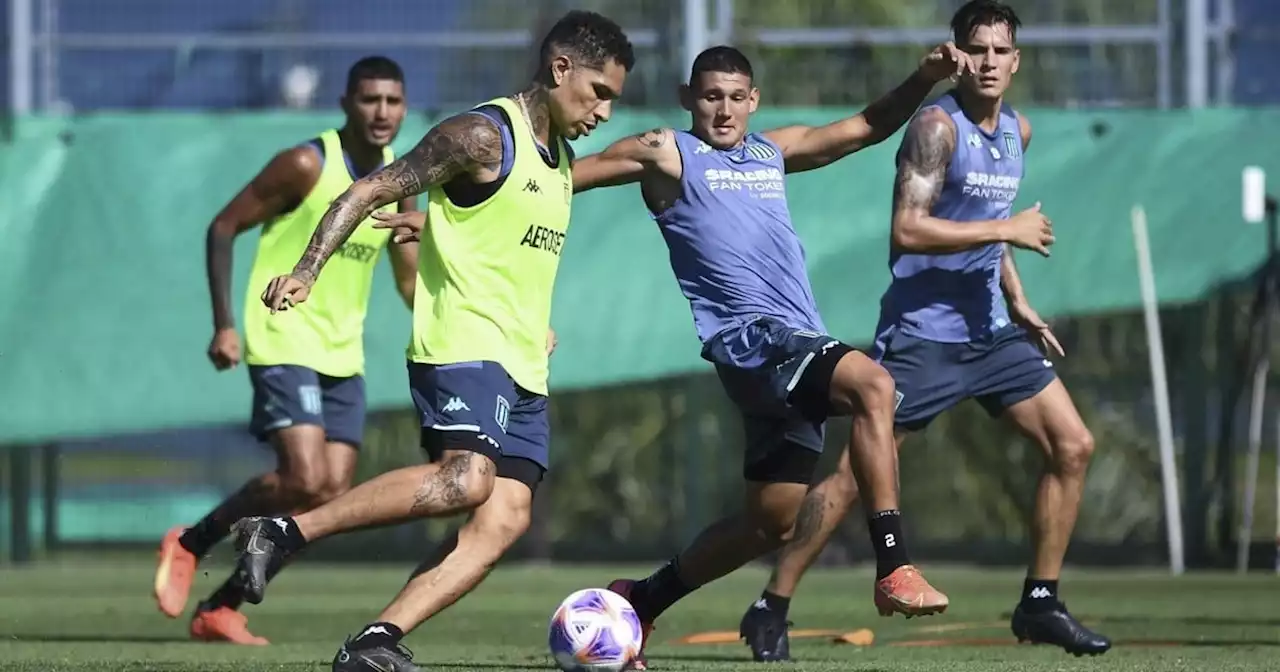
(499,183)
(305,366)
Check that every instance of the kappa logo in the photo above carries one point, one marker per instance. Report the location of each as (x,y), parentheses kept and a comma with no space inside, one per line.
(456,404)
(532,187)
(1040,592)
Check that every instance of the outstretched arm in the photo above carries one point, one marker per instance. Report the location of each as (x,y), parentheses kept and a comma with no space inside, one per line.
(625,161)
(281,185)
(808,147)
(468,144)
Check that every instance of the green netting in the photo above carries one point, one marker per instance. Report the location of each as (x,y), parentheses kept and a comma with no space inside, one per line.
(104,315)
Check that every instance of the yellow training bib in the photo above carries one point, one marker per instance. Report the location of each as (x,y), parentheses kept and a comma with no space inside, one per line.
(326,332)
(486,272)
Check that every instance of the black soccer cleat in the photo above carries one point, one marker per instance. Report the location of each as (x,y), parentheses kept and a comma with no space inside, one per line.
(376,659)
(766,634)
(1059,628)
(261,556)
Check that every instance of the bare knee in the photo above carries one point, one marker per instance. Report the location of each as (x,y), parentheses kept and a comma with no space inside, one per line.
(863,386)
(504,524)
(774,510)
(308,485)
(1070,453)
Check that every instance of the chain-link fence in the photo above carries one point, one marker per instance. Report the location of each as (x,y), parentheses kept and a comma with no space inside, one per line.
(253,54)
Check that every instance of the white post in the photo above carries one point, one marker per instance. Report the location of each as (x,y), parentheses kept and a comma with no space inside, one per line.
(1159,384)
(724,21)
(695,32)
(21,47)
(1225,80)
(1256,408)
(1197,51)
(1277,496)
(1164,55)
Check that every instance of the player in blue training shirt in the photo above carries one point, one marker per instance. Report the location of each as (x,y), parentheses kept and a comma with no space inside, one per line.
(955,324)
(719,198)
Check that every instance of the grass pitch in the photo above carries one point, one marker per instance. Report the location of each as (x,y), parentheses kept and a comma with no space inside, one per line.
(98,616)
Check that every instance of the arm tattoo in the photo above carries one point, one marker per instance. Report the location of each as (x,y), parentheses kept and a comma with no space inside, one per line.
(653,139)
(463,144)
(922,162)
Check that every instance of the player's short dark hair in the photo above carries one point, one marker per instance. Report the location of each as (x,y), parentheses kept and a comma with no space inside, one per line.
(591,39)
(724,59)
(977,13)
(373,67)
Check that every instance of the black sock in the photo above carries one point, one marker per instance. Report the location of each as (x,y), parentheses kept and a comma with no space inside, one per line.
(656,594)
(204,535)
(1039,595)
(886,539)
(375,635)
(775,604)
(227,595)
(285,533)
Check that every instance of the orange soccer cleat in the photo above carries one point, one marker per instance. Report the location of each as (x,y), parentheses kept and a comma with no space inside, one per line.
(905,591)
(223,624)
(174,573)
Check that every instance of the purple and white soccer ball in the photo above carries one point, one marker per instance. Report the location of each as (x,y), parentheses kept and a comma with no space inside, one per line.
(595,630)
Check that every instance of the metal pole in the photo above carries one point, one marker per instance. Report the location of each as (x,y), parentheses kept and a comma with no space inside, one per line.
(1197,50)
(1257,407)
(1225,82)
(48,54)
(724,22)
(21,84)
(1164,55)
(695,31)
(1277,496)
(1160,386)
(1260,348)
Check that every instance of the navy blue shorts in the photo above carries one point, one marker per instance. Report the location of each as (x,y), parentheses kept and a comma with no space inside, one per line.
(476,406)
(780,378)
(932,377)
(285,395)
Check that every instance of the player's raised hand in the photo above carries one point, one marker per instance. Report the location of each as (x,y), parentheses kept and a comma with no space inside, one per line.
(284,292)
(224,349)
(946,61)
(406,226)
(1030,230)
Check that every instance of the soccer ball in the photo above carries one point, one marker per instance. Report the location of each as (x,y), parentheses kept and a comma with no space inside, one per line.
(594,630)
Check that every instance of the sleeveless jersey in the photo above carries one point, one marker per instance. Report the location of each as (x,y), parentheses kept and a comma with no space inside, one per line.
(486,272)
(956,298)
(733,249)
(326,332)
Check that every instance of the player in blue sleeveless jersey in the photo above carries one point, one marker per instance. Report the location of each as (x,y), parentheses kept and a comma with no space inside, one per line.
(955,324)
(719,198)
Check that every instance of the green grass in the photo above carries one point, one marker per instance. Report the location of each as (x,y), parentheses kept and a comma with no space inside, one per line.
(99,617)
